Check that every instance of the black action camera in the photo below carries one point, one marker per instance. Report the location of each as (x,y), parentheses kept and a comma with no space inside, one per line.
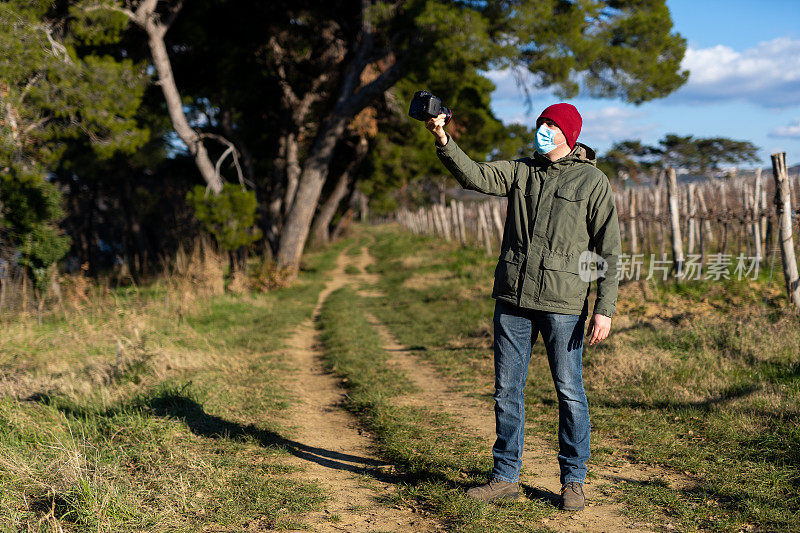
(424,106)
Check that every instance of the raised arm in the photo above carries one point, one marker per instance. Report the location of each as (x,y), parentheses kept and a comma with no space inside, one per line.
(493,178)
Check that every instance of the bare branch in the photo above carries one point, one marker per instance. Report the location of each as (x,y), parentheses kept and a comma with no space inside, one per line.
(30,127)
(56,47)
(380,84)
(280,55)
(111,7)
(233,152)
(146,10)
(301,108)
(28,86)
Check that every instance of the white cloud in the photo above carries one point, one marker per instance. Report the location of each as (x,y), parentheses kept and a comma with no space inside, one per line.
(767,74)
(791,131)
(614,123)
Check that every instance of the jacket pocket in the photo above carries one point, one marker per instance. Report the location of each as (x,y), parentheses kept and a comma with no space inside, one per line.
(561,283)
(568,210)
(572,193)
(506,274)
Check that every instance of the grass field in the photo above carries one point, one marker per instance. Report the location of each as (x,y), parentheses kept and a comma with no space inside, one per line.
(183,429)
(701,379)
(162,408)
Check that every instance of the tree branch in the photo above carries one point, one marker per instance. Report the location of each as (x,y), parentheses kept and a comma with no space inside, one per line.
(55,46)
(234,153)
(289,96)
(377,86)
(111,7)
(29,85)
(146,9)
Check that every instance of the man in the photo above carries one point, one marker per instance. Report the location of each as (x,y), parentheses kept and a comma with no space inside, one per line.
(560,208)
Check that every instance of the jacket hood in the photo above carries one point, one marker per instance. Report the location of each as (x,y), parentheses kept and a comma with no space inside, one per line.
(583,153)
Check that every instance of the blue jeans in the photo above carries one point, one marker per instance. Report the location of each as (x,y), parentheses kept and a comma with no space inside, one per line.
(515,331)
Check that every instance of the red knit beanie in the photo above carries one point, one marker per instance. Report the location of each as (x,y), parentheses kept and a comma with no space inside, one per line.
(567,118)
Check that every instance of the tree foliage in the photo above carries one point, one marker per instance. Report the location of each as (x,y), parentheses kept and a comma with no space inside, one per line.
(696,155)
(54,96)
(228,216)
(293,86)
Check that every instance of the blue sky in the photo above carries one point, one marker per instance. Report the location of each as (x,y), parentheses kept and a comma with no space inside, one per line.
(744,83)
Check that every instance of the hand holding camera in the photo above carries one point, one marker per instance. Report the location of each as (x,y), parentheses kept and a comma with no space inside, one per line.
(429,109)
(436,127)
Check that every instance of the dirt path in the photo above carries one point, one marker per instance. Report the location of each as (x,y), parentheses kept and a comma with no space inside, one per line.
(330,447)
(540,473)
(334,452)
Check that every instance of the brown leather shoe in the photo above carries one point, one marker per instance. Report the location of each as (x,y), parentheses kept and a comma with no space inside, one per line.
(494,490)
(572,498)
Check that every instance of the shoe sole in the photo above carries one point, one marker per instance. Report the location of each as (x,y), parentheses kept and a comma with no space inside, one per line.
(581,508)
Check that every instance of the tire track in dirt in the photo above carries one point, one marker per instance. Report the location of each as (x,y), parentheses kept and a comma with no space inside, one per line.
(330,447)
(540,466)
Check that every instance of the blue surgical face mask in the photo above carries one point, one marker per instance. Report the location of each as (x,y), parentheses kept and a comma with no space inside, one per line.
(544,140)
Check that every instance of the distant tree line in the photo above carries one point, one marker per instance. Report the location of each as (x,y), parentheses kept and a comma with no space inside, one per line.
(632,159)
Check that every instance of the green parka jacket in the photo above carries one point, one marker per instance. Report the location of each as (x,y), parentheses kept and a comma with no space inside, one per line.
(556,211)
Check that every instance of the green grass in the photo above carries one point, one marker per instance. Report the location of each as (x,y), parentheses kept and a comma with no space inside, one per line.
(436,461)
(694,377)
(187,431)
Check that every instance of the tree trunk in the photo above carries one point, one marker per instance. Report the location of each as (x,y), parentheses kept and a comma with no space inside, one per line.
(350,101)
(138,263)
(298,221)
(155,39)
(91,237)
(342,224)
(292,171)
(321,233)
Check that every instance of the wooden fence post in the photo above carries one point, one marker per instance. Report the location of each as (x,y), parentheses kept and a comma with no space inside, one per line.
(691,212)
(755,225)
(440,210)
(454,219)
(633,235)
(674,222)
(461,224)
(783,207)
(498,223)
(484,229)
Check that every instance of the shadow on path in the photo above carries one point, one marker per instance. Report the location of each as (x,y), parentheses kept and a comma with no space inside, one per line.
(179,405)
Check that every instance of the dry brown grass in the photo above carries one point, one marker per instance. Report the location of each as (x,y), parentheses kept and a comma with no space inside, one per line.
(426,280)
(266,276)
(103,340)
(197,274)
(696,348)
